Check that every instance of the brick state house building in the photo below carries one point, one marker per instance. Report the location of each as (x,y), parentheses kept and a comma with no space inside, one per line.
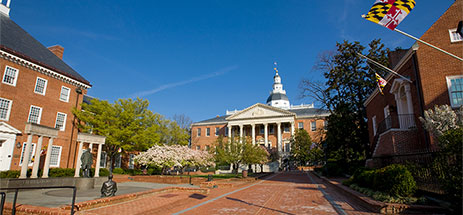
(270,125)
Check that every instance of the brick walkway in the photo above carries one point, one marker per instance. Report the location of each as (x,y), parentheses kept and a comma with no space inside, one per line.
(284,193)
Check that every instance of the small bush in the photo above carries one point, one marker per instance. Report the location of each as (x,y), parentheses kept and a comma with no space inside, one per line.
(118,171)
(395,180)
(133,172)
(61,172)
(10,174)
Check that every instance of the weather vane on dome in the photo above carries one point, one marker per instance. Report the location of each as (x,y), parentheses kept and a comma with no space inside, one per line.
(275,68)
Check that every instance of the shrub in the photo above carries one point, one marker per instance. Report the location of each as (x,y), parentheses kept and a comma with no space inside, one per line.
(10,174)
(104,172)
(61,172)
(396,180)
(118,171)
(133,172)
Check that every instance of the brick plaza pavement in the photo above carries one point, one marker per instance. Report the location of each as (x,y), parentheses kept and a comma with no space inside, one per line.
(283,193)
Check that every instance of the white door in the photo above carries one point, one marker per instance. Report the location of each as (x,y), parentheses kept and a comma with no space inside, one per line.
(6,151)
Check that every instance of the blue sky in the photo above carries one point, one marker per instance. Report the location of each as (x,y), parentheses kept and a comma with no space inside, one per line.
(200,58)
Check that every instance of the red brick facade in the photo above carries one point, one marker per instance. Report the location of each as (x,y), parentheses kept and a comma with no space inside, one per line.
(203,141)
(428,69)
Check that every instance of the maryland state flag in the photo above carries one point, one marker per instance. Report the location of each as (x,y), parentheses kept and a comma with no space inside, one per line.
(389,13)
(381,83)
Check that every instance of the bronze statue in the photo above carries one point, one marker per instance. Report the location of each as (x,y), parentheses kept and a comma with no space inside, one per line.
(86,163)
(109,187)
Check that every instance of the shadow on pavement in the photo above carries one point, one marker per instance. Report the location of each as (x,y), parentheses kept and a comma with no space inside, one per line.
(251,204)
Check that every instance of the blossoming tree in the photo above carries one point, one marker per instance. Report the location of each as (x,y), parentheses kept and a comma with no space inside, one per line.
(166,157)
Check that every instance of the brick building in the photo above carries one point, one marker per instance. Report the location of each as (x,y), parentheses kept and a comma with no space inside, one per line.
(270,125)
(37,93)
(435,79)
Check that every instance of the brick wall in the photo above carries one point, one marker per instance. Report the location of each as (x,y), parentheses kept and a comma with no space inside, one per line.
(23,97)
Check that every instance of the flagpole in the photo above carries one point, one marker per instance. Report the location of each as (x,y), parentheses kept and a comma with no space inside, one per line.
(432,46)
(384,67)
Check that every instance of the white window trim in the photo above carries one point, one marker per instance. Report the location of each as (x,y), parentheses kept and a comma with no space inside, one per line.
(59,157)
(312,128)
(373,119)
(217,133)
(15,78)
(64,121)
(198,132)
(40,114)
(9,110)
(23,149)
(452,39)
(207,135)
(449,86)
(299,125)
(44,87)
(69,94)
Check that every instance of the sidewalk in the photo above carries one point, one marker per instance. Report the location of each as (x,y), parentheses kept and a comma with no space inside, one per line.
(59,197)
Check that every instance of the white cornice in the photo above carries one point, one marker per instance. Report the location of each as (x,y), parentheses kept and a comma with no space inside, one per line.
(41,69)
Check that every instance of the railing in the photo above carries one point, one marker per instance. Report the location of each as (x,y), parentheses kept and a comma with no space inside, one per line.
(3,194)
(402,121)
(16,190)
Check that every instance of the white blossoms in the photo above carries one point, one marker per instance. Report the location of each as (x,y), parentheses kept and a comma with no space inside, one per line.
(174,156)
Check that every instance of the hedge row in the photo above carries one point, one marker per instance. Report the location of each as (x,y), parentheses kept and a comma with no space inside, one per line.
(394,180)
(53,173)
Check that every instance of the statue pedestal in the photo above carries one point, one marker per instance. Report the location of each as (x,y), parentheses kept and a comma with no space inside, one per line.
(85,183)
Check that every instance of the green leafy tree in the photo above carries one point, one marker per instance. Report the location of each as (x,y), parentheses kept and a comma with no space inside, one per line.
(254,154)
(127,124)
(172,134)
(230,152)
(301,146)
(349,80)
(446,125)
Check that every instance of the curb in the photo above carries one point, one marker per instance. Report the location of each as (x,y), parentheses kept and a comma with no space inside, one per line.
(381,207)
(131,196)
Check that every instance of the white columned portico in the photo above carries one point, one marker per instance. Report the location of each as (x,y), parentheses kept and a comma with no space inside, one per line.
(229,131)
(253,134)
(409,99)
(292,128)
(241,132)
(41,131)
(91,139)
(26,157)
(98,160)
(79,154)
(38,149)
(46,166)
(266,134)
(279,136)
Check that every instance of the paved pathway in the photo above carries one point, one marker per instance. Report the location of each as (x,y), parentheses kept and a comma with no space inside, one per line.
(284,193)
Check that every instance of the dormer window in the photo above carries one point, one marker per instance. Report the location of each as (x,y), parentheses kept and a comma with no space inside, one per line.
(454,36)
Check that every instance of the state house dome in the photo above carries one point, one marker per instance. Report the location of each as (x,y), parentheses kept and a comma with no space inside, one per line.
(278,96)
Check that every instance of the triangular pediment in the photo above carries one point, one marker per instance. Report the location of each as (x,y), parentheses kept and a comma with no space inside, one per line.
(260,111)
(5,128)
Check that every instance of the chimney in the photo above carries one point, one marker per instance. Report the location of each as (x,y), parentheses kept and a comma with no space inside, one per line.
(57,50)
(5,8)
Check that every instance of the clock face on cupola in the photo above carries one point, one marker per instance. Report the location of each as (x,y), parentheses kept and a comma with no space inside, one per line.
(278,96)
